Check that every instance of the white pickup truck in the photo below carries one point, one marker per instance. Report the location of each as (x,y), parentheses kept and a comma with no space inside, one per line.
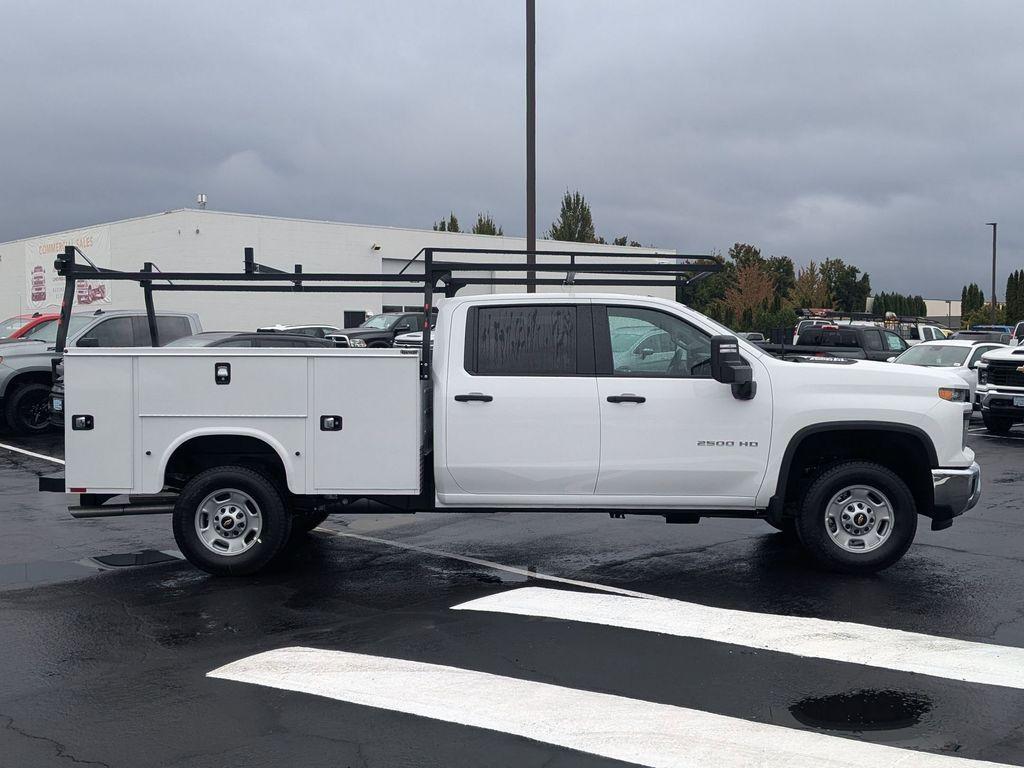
(534,402)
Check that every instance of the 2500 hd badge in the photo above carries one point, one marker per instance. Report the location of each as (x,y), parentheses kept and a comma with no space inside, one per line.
(726,444)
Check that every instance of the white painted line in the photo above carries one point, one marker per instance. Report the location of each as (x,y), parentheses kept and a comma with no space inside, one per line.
(488,564)
(33,455)
(616,727)
(815,638)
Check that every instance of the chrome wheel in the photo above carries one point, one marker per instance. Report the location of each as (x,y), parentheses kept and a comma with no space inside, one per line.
(229,522)
(859,518)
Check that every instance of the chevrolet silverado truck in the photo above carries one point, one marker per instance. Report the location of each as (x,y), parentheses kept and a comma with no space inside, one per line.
(556,402)
(1000,391)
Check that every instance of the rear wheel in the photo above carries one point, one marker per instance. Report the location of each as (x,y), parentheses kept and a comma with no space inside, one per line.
(997,425)
(857,517)
(230,521)
(27,409)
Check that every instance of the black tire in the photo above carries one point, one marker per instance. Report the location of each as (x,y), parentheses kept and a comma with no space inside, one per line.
(813,528)
(997,425)
(27,409)
(275,522)
(304,523)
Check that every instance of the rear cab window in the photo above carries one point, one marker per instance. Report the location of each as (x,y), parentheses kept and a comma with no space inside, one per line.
(529,340)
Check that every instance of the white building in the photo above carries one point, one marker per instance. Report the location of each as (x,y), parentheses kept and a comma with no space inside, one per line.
(202,240)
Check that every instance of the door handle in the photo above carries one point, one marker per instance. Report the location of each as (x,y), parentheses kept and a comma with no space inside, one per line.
(627,398)
(473,397)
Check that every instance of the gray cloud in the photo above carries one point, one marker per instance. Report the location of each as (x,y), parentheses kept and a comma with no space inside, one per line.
(884,133)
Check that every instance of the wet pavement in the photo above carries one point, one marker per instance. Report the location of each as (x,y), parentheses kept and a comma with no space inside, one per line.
(108,637)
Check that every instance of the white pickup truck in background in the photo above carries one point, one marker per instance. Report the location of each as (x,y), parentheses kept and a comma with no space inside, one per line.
(556,402)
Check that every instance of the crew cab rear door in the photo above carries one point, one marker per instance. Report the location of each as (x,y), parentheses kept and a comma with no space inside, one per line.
(520,405)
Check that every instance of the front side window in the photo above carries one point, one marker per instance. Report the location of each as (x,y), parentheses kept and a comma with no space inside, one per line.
(894,342)
(522,340)
(646,342)
(115,332)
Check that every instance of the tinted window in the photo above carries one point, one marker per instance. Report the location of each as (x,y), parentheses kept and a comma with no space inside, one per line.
(872,340)
(168,329)
(234,343)
(645,342)
(523,341)
(115,332)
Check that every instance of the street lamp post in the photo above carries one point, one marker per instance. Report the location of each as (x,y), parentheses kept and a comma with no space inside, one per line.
(994,226)
(531,145)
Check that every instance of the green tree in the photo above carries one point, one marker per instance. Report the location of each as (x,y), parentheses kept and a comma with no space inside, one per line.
(485,225)
(574,222)
(451,224)
(1014,306)
(810,290)
(624,240)
(971,298)
(848,288)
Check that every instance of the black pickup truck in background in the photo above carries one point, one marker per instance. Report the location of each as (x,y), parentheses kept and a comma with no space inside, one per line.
(856,342)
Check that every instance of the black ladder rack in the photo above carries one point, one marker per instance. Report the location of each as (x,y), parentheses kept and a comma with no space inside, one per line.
(439,275)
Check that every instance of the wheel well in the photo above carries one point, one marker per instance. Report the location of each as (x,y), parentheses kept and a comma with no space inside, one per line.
(30,377)
(201,453)
(905,453)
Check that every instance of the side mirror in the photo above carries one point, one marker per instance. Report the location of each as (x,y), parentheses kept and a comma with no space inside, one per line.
(728,367)
(890,359)
(88,341)
(403,328)
(645,353)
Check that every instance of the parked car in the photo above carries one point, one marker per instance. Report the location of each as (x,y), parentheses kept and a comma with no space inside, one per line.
(1018,334)
(528,410)
(379,330)
(997,328)
(248,339)
(26,373)
(854,342)
(918,332)
(317,331)
(999,337)
(19,325)
(1000,393)
(959,356)
(411,340)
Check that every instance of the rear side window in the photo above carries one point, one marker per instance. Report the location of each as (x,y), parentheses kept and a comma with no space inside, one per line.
(872,340)
(168,328)
(522,340)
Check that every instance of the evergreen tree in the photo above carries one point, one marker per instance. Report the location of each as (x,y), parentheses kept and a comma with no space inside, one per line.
(485,225)
(451,224)
(574,222)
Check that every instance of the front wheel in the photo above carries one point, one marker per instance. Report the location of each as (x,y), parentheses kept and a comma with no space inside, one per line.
(230,521)
(28,409)
(857,517)
(997,425)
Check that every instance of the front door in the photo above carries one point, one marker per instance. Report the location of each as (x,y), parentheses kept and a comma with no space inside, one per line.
(521,402)
(670,434)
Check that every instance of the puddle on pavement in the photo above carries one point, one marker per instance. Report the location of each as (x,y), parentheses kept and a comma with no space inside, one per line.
(50,571)
(864,710)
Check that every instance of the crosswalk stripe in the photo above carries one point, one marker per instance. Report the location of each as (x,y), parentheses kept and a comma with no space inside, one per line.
(634,731)
(817,638)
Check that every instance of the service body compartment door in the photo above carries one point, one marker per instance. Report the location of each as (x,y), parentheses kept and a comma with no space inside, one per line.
(99,458)
(366,423)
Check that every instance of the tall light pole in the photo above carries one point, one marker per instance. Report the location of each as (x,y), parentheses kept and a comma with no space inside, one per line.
(994,226)
(531,145)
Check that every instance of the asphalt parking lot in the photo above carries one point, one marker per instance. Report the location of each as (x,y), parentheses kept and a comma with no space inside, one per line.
(109,640)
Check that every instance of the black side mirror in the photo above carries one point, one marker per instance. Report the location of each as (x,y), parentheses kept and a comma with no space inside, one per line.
(645,353)
(728,367)
(88,341)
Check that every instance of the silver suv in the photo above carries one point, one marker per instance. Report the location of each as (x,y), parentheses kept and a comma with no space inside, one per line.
(26,363)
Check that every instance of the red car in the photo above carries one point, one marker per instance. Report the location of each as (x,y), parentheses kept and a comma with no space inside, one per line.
(17,326)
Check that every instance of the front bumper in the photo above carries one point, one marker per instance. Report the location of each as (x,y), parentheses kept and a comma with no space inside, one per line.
(1000,403)
(955,492)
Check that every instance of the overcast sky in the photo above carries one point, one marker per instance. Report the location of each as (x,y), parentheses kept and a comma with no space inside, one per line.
(883,133)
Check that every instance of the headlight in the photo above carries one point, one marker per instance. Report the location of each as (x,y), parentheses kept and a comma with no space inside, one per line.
(982,375)
(356,343)
(954,394)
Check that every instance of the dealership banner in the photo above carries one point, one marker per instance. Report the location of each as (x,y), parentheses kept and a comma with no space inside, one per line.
(44,287)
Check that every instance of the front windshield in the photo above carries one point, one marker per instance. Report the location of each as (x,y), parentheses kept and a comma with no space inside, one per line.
(47,330)
(935,355)
(10,325)
(380,322)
